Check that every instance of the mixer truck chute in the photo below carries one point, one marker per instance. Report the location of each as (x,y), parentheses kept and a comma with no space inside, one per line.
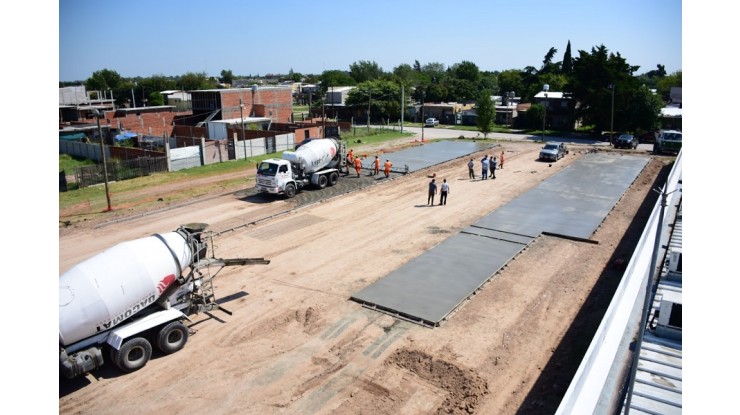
(135,295)
(316,162)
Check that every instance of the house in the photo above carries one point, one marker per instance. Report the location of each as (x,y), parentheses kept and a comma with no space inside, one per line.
(449,113)
(559,109)
(337,95)
(273,102)
(178,99)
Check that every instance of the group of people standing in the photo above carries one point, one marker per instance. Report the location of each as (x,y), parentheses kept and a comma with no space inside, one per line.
(443,191)
(488,162)
(357,162)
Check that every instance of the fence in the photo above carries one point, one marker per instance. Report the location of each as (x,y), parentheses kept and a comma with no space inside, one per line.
(120,170)
(131,162)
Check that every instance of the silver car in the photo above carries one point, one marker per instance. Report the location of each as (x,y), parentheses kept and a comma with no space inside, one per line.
(553,151)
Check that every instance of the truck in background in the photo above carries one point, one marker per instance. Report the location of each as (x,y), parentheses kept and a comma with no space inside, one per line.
(316,162)
(136,294)
(668,141)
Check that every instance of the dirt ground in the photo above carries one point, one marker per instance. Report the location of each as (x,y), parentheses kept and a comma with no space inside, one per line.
(296,344)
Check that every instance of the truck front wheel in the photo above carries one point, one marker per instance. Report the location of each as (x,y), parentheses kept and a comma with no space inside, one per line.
(290,191)
(133,354)
(172,337)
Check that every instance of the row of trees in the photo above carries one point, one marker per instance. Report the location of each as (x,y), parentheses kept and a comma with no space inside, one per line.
(590,79)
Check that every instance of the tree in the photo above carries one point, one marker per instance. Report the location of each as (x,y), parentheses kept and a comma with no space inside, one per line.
(192,81)
(567,66)
(227,76)
(589,85)
(335,78)
(641,110)
(535,115)
(664,85)
(363,71)
(295,76)
(485,112)
(465,70)
(489,80)
(104,79)
(405,75)
(510,80)
(547,65)
(381,97)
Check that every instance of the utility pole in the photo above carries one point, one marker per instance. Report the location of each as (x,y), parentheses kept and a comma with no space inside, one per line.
(97,115)
(611,127)
(369,98)
(241,113)
(402,108)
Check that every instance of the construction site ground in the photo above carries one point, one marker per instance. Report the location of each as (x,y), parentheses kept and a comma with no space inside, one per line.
(297,344)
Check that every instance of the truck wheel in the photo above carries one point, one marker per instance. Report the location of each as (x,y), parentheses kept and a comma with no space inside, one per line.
(133,354)
(333,178)
(323,181)
(172,337)
(290,191)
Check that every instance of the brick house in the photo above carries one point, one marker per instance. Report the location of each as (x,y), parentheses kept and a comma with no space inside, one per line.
(273,102)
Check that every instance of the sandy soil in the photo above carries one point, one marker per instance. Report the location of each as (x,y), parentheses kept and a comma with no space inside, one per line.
(296,344)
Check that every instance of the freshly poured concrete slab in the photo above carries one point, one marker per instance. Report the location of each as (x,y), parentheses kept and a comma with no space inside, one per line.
(428,287)
(433,153)
(572,203)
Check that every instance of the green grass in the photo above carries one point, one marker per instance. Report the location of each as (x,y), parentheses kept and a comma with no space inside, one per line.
(68,163)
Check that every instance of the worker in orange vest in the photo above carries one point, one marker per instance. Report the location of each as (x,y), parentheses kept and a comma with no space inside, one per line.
(358,166)
(376,166)
(387,167)
(351,156)
(501,162)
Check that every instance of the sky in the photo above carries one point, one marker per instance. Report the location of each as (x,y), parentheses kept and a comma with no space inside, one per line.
(171,38)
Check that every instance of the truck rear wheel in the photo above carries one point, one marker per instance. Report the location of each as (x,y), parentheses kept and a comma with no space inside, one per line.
(333,178)
(172,337)
(290,191)
(133,354)
(323,181)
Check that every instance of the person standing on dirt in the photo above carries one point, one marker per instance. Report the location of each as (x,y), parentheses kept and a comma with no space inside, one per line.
(493,167)
(443,191)
(501,160)
(432,192)
(376,166)
(471,169)
(358,166)
(484,165)
(387,168)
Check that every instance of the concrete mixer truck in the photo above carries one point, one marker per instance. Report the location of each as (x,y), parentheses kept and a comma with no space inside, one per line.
(316,162)
(135,295)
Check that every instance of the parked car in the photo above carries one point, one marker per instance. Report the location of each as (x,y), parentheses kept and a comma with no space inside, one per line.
(431,122)
(626,141)
(553,151)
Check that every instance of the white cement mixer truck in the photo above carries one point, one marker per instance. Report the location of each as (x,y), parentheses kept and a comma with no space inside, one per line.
(316,162)
(135,295)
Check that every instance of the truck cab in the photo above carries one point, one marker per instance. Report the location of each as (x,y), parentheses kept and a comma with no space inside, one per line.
(668,141)
(275,176)
(316,162)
